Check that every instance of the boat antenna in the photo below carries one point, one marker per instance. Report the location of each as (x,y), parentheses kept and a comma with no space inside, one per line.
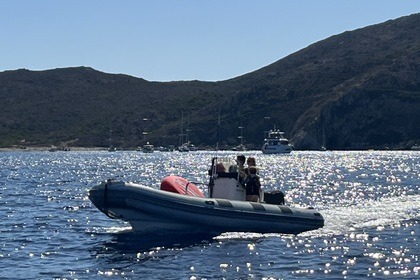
(212,175)
(218,131)
(214,160)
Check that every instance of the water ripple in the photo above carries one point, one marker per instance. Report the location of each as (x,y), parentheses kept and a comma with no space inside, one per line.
(370,201)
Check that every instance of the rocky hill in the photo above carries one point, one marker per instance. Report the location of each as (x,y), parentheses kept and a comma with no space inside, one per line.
(356,90)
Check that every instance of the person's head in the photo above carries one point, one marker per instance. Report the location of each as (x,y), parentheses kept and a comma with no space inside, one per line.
(240,159)
(252,170)
(251,161)
(220,167)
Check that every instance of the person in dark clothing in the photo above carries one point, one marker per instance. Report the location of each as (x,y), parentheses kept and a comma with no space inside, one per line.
(253,185)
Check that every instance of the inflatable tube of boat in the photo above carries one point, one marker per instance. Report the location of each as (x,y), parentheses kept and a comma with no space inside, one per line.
(178,184)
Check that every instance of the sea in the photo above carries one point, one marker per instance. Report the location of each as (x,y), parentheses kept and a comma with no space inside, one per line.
(370,200)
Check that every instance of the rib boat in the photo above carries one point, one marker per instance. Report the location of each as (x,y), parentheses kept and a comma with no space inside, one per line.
(179,206)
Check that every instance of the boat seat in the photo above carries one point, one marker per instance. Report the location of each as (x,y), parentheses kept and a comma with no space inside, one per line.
(233,175)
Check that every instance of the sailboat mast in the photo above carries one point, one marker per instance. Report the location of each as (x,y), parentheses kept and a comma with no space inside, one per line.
(182,134)
(241,136)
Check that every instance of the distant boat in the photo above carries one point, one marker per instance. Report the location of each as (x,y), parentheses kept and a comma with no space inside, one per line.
(111,148)
(185,144)
(171,148)
(187,147)
(415,148)
(148,148)
(324,145)
(53,149)
(276,143)
(162,149)
(240,147)
(183,148)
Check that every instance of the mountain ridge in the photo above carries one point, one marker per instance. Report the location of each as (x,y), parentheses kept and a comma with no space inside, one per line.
(356,90)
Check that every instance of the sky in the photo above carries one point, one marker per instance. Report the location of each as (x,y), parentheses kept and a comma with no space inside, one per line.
(174,40)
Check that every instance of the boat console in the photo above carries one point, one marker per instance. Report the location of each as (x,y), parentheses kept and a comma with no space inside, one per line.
(225,184)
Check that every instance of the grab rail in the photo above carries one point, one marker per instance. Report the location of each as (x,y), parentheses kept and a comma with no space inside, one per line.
(195,183)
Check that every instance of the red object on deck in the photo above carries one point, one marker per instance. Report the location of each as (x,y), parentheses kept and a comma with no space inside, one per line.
(178,184)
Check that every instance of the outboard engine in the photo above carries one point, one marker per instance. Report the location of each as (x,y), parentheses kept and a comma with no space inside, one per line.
(274,197)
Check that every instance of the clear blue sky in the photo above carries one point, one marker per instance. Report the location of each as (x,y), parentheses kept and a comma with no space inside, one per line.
(172,40)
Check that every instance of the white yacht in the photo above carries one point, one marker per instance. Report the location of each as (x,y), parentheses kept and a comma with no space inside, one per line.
(276,143)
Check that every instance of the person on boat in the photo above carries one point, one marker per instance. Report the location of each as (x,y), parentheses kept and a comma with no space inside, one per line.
(250,162)
(253,185)
(220,168)
(239,167)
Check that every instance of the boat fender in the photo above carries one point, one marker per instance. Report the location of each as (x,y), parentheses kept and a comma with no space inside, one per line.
(180,185)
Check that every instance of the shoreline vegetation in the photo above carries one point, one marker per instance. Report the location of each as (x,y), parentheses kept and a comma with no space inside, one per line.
(50,149)
(93,149)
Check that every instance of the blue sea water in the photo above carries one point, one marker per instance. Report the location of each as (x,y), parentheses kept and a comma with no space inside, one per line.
(370,200)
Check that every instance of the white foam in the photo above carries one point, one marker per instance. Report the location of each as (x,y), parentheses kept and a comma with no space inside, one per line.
(384,212)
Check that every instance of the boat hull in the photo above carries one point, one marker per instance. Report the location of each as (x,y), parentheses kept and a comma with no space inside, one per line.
(276,150)
(149,210)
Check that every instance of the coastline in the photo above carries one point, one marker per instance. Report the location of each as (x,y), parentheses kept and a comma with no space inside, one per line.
(51,149)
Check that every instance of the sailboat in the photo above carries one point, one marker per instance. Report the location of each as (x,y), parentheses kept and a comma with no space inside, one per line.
(147,148)
(324,145)
(241,146)
(185,144)
(111,148)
